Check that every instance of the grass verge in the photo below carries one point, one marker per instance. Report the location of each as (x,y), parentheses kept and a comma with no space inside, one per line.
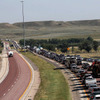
(53,84)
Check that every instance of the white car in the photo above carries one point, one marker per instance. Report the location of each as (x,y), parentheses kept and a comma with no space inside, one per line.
(90,80)
(97,97)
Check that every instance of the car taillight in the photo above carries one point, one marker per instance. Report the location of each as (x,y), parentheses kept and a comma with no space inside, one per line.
(92,90)
(92,97)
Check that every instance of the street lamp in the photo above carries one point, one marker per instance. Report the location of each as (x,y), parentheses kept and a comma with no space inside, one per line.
(23,22)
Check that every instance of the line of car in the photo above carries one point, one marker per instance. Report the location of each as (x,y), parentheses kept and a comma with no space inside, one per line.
(74,63)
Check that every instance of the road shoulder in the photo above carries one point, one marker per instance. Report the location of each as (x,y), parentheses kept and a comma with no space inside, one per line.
(4,65)
(36,82)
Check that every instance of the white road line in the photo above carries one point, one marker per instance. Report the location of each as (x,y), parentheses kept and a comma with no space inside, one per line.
(15,82)
(4,94)
(8,89)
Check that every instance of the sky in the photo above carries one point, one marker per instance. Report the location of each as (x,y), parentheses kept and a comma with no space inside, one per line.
(46,10)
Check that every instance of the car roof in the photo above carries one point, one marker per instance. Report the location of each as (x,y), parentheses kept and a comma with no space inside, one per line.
(96,88)
(98,95)
(92,84)
(88,74)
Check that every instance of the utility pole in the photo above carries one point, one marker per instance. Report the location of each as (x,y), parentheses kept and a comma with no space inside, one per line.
(23,22)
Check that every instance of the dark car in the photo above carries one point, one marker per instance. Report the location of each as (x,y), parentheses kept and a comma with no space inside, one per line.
(80,72)
(95,89)
(79,61)
(93,95)
(84,77)
(85,65)
(91,86)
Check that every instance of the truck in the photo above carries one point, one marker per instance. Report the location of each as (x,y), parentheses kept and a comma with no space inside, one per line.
(10,54)
(69,61)
(96,68)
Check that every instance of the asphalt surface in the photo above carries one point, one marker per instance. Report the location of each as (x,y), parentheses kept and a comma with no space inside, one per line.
(17,79)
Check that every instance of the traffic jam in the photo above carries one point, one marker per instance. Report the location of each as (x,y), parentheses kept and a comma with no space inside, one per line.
(87,70)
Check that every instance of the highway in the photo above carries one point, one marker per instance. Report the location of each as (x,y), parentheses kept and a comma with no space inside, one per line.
(17,80)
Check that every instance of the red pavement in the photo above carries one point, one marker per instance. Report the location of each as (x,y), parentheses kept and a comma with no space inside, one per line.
(17,80)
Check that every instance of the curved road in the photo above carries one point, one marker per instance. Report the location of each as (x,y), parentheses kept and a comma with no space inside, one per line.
(17,80)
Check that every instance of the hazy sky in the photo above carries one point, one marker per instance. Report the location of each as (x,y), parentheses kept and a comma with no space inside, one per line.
(41,10)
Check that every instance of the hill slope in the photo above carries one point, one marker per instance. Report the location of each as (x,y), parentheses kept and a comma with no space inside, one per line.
(59,23)
(51,29)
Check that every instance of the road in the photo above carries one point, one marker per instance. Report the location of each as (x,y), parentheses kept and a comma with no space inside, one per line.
(17,80)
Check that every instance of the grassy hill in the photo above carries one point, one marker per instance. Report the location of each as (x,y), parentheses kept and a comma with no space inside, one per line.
(52,29)
(59,23)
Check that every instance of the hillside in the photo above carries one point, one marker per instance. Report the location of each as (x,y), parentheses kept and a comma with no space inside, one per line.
(59,23)
(7,25)
(52,24)
(52,29)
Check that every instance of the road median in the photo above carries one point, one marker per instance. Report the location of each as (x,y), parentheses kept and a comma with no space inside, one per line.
(4,65)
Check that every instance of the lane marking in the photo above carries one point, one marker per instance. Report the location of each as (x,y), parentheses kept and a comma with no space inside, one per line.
(4,94)
(12,85)
(8,89)
(15,82)
(82,86)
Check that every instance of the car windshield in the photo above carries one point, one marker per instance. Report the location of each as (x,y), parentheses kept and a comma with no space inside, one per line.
(89,78)
(96,92)
(97,89)
(80,71)
(73,67)
(93,86)
(97,98)
(73,64)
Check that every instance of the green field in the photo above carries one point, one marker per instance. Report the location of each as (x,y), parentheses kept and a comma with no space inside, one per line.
(52,29)
(53,84)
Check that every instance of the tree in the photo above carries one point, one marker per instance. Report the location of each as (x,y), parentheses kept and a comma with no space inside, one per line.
(86,45)
(63,47)
(90,39)
(49,47)
(95,45)
(80,46)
